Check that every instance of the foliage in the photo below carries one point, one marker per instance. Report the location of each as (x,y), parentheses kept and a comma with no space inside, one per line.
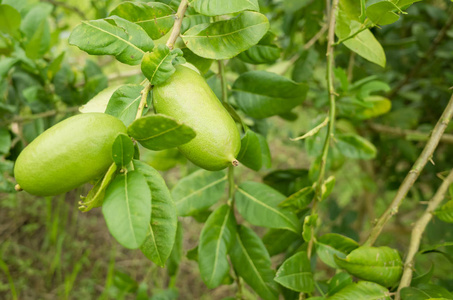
(320,159)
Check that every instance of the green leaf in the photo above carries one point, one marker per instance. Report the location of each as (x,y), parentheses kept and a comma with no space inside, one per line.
(122,150)
(445,212)
(215,40)
(216,239)
(381,12)
(159,132)
(295,273)
(338,282)
(124,102)
(176,253)
(355,146)
(115,36)
(262,94)
(202,64)
(310,223)
(332,244)
(5,140)
(9,19)
(364,43)
(258,204)
(223,7)
(305,66)
(423,278)
(382,265)
(424,292)
(250,154)
(252,262)
(127,209)
(162,228)
(158,65)
(37,30)
(362,290)
(300,199)
(96,195)
(198,191)
(265,52)
(379,106)
(155,18)
(279,240)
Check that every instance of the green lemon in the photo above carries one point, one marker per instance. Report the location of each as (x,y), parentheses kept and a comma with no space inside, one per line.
(187,97)
(68,154)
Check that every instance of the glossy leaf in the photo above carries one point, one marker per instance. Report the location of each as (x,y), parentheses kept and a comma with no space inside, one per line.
(96,195)
(155,18)
(159,132)
(300,199)
(338,282)
(215,40)
(216,239)
(445,212)
(223,7)
(258,204)
(127,209)
(162,228)
(355,146)
(9,19)
(122,150)
(363,43)
(382,12)
(332,244)
(362,290)
(262,94)
(424,292)
(158,65)
(295,273)
(252,262)
(382,265)
(115,36)
(124,102)
(250,154)
(198,191)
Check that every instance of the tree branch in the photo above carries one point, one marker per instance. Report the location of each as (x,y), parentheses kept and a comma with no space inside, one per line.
(421,62)
(419,229)
(412,135)
(49,113)
(413,174)
(178,23)
(331,126)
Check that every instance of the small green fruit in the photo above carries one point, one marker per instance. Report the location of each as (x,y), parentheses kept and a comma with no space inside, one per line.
(187,97)
(68,154)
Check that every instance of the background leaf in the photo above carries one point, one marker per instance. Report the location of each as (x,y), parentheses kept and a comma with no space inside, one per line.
(127,209)
(263,94)
(258,204)
(355,146)
(9,19)
(332,244)
(252,262)
(198,191)
(223,7)
(213,40)
(445,212)
(216,238)
(159,132)
(162,228)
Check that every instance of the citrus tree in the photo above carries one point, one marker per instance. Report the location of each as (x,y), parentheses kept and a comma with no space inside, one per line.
(353,95)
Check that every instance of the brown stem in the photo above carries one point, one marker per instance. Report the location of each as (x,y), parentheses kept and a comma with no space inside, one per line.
(419,229)
(413,174)
(421,62)
(413,135)
(178,23)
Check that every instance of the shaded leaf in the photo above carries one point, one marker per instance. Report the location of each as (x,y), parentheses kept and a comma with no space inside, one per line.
(124,102)
(424,292)
(252,262)
(258,204)
(96,195)
(300,199)
(332,244)
(265,52)
(355,146)
(338,282)
(278,240)
(198,191)
(5,140)
(122,150)
(159,132)
(223,7)
(250,153)
(445,212)
(263,94)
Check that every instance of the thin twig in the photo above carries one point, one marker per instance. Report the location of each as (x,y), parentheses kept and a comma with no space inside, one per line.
(178,23)
(68,7)
(412,135)
(419,229)
(331,126)
(49,113)
(421,62)
(413,174)
(142,104)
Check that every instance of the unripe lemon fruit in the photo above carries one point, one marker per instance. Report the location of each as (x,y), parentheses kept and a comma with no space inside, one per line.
(187,97)
(68,154)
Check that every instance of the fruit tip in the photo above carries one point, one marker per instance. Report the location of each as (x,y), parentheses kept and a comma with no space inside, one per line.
(235,163)
(18,188)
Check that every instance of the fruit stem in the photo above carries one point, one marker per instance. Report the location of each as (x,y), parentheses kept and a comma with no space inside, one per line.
(142,104)
(235,163)
(18,188)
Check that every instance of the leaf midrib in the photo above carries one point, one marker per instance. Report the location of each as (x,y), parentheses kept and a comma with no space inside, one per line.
(202,189)
(222,35)
(218,243)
